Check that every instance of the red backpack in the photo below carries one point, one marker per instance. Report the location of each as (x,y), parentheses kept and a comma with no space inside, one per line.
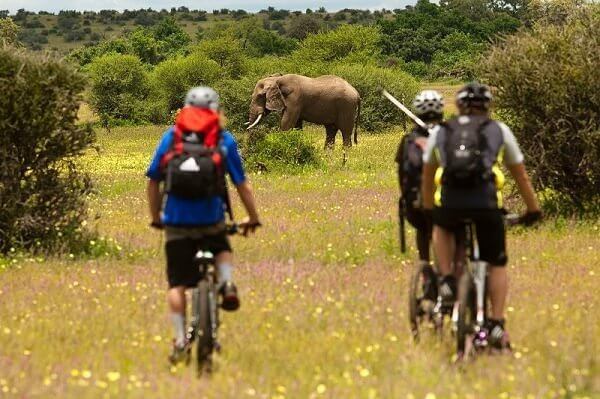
(194,167)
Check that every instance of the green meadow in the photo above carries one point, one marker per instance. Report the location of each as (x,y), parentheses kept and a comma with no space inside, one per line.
(324,298)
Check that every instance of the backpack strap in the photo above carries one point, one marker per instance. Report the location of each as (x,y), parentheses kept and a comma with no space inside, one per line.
(225,196)
(176,147)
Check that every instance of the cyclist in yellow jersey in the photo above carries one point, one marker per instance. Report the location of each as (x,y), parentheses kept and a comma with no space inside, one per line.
(462,160)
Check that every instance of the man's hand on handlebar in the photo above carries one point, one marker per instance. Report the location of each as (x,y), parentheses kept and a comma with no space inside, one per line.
(157,225)
(249,225)
(527,219)
(530,218)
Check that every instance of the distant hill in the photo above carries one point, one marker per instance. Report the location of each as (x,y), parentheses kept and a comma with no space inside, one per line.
(68,30)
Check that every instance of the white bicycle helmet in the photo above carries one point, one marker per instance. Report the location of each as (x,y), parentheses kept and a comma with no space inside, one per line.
(428,102)
(202,97)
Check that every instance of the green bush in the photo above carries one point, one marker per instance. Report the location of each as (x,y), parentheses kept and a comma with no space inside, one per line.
(350,43)
(227,53)
(235,97)
(548,86)
(42,191)
(119,88)
(269,151)
(9,31)
(172,78)
(85,55)
(304,25)
(377,112)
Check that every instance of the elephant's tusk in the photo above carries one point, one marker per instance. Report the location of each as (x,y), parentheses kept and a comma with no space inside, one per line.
(255,122)
(246,123)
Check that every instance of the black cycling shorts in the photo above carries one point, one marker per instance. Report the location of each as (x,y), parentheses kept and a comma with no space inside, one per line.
(489,227)
(417,219)
(181,248)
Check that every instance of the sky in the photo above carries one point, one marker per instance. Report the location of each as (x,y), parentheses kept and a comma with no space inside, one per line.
(209,5)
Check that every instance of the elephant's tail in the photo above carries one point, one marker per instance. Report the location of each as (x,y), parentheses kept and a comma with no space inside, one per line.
(356,122)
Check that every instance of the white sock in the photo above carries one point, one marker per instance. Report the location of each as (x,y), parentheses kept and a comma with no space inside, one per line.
(179,325)
(225,273)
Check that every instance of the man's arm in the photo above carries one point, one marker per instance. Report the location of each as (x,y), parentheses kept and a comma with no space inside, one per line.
(521,177)
(154,200)
(246,194)
(427,187)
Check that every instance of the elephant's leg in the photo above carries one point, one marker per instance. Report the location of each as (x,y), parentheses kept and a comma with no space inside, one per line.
(331,131)
(347,136)
(290,119)
(299,124)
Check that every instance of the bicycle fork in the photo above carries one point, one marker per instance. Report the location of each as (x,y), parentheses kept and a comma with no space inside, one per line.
(479,279)
(212,305)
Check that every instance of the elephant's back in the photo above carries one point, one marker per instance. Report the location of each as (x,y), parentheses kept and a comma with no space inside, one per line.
(333,84)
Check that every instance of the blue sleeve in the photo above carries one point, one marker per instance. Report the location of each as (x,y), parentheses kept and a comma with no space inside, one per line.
(154,171)
(234,161)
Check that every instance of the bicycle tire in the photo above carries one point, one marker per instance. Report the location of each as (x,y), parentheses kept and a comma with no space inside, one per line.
(205,341)
(415,311)
(466,312)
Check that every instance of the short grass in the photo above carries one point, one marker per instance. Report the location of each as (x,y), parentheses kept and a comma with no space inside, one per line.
(323,290)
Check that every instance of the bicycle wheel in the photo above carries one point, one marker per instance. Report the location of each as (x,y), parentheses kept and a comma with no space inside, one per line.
(466,314)
(421,296)
(205,344)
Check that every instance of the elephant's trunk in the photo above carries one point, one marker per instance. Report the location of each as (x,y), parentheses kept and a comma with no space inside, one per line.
(256,122)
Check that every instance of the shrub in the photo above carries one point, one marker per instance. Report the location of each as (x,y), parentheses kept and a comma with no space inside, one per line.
(235,97)
(548,84)
(302,26)
(42,192)
(378,113)
(279,151)
(9,31)
(85,55)
(227,53)
(262,42)
(145,46)
(74,36)
(32,39)
(172,79)
(350,43)
(119,85)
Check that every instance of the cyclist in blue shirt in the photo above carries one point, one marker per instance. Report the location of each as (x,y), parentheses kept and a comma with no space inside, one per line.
(189,223)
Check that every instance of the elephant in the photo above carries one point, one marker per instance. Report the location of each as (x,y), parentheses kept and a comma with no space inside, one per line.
(327,100)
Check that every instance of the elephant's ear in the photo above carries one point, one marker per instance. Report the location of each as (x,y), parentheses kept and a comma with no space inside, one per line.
(275,100)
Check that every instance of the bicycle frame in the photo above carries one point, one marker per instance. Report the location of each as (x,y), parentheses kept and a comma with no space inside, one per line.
(478,270)
(206,263)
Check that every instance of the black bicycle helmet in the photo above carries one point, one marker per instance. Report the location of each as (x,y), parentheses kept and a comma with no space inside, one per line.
(474,94)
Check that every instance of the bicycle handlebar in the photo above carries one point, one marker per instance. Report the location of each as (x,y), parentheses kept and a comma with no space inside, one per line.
(234,228)
(527,219)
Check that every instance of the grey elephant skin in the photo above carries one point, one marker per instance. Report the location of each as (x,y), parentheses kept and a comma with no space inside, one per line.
(327,100)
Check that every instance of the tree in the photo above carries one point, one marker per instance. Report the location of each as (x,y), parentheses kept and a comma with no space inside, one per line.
(349,42)
(548,86)
(227,53)
(302,26)
(172,79)
(119,86)
(171,36)
(145,46)
(9,31)
(42,187)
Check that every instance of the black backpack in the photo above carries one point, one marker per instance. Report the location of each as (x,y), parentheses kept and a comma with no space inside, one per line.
(195,165)
(411,162)
(464,148)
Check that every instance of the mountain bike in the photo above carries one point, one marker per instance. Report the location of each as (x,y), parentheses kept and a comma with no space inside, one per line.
(422,296)
(472,335)
(204,324)
(424,301)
